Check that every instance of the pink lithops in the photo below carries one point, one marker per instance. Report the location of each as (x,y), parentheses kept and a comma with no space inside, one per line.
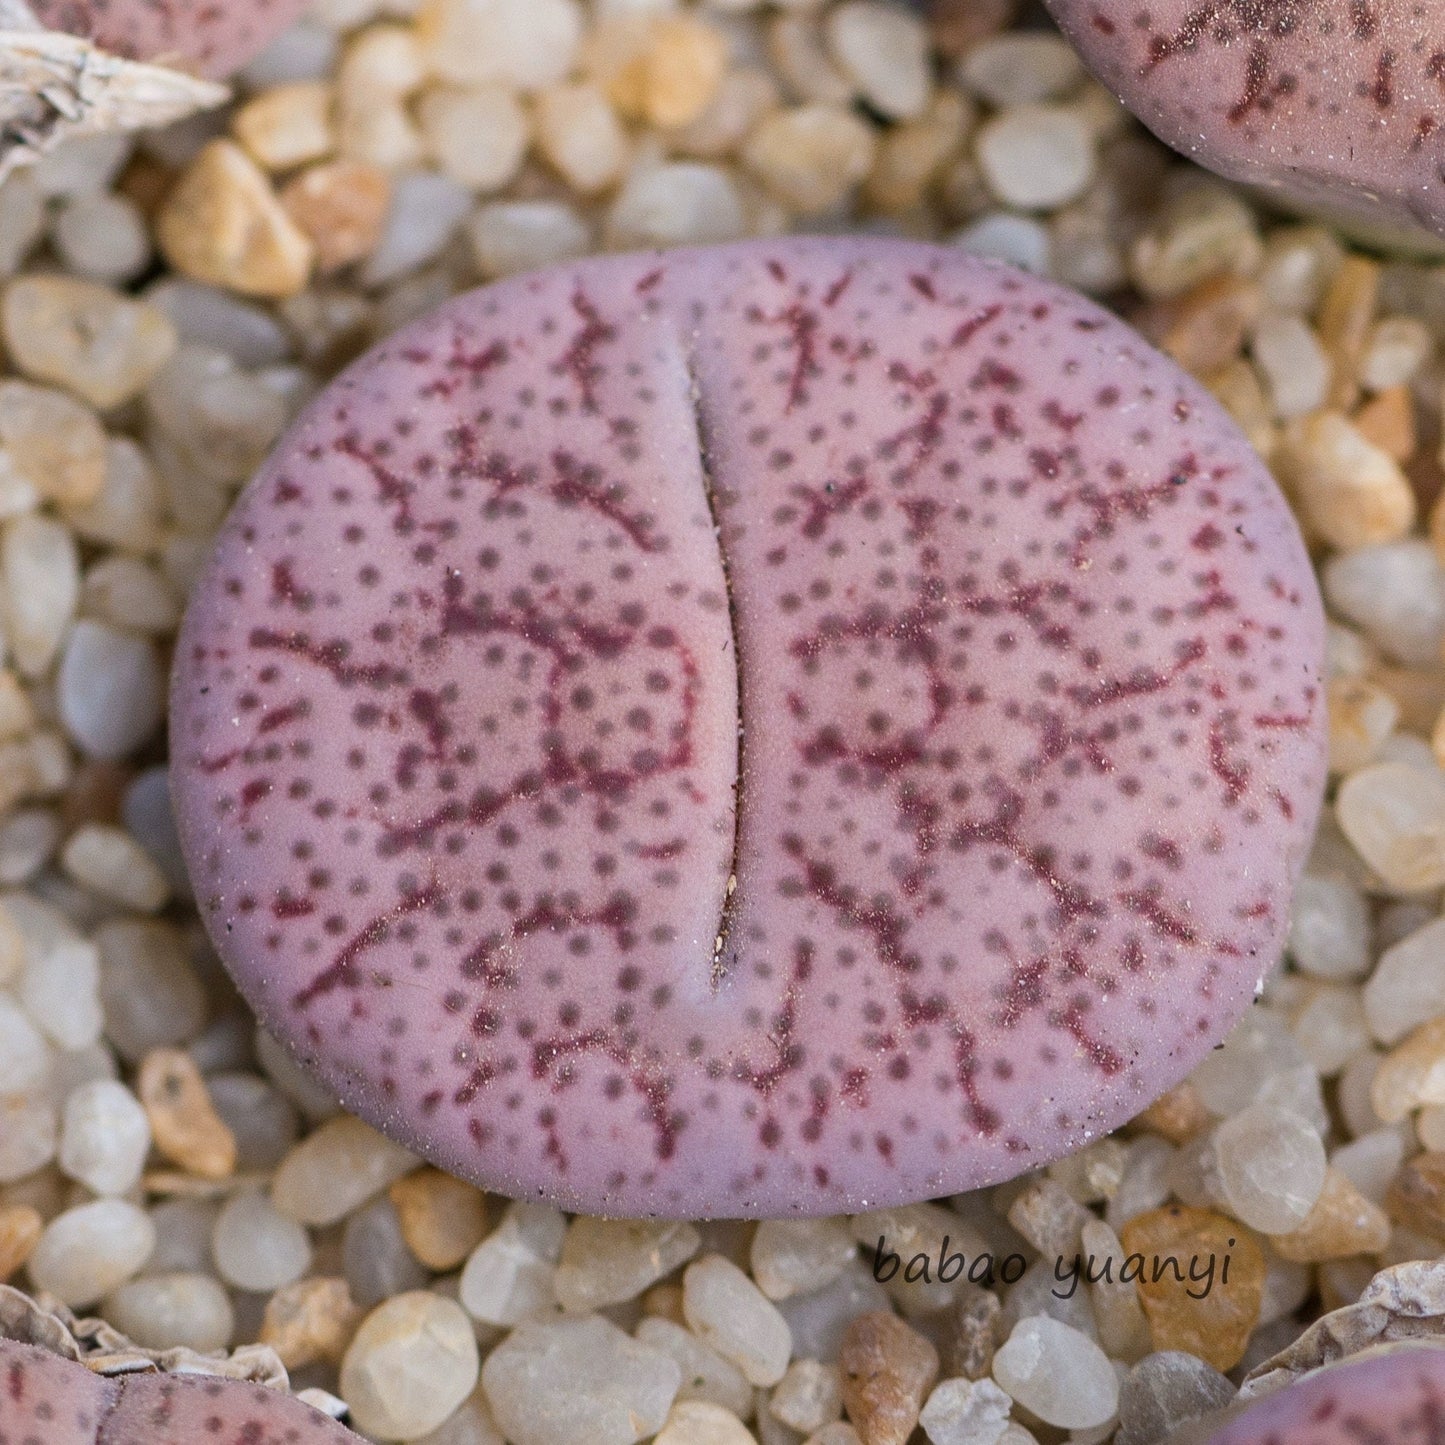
(1394,1396)
(1338,104)
(784,728)
(209,37)
(44,1398)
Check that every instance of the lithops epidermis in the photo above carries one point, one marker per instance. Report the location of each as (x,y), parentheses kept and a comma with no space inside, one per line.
(208,37)
(1334,104)
(44,1398)
(1390,1395)
(1010,655)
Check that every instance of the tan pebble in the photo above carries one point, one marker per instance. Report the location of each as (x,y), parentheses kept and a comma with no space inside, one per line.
(53,443)
(341,206)
(1352,492)
(956,26)
(442,1219)
(1437,739)
(184,1123)
(1345,317)
(223,224)
(811,156)
(1217,1326)
(1205,328)
(1177,1115)
(20,1229)
(1417,1197)
(313,1319)
(1419,691)
(1387,421)
(1238,387)
(1361,716)
(665,1301)
(912,156)
(673,78)
(101,345)
(94,794)
(1343,1222)
(1411,1074)
(887,1369)
(288,125)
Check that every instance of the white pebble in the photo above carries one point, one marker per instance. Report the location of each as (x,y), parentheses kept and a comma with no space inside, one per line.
(1020,240)
(965,1412)
(103,236)
(1329,929)
(1036,157)
(29,1130)
(1062,1376)
(426,209)
(151,994)
(258,1114)
(60,987)
(508,1278)
(1394,815)
(524,43)
(727,1310)
(1271,1167)
(335,1169)
(111,690)
(255,1246)
(1395,591)
(104,1137)
(108,861)
(478,137)
(88,1251)
(163,1311)
(1294,364)
(884,51)
(24,1057)
(1394,351)
(599,1386)
(1407,987)
(411,1364)
(677,203)
(508,237)
(39,589)
(1021,68)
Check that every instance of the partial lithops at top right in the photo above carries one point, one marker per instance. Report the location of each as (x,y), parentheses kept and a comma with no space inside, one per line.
(1335,104)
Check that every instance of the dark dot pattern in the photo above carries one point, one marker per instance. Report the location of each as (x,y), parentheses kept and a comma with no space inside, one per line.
(786,728)
(1394,1395)
(1333,103)
(47,1400)
(214,38)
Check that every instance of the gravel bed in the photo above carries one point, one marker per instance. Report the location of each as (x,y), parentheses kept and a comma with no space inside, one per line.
(170,303)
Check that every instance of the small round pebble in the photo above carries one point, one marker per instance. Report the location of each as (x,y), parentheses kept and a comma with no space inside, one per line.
(412,1363)
(256,1247)
(1059,1374)
(85,1252)
(104,1137)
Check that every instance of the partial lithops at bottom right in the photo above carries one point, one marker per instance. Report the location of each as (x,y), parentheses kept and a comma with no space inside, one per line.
(1331,104)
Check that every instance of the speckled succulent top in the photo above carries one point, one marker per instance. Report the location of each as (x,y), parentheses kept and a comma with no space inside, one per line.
(47,1400)
(1391,1397)
(783,728)
(1333,103)
(211,37)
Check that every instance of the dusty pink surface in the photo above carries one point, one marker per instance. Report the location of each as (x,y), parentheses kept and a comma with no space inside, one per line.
(210,37)
(1339,103)
(1385,1399)
(45,1400)
(1010,652)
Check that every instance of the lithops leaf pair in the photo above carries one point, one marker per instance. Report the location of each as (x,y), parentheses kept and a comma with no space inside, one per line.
(786,728)
(44,1397)
(201,36)
(1333,104)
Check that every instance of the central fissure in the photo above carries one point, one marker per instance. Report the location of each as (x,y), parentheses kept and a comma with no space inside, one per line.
(703,437)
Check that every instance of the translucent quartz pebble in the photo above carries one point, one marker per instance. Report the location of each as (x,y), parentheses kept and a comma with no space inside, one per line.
(1062,1376)
(581,723)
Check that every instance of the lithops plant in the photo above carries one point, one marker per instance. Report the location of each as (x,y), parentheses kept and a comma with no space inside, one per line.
(82,67)
(44,1397)
(200,36)
(1333,104)
(790,727)
(1391,1395)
